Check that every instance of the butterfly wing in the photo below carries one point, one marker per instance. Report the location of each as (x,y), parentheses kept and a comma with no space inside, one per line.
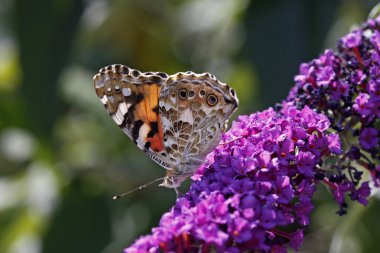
(131,99)
(194,109)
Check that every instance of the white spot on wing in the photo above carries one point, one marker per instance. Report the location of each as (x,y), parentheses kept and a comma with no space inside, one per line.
(104,99)
(167,106)
(143,132)
(123,108)
(118,117)
(173,99)
(187,116)
(98,83)
(166,122)
(118,120)
(126,92)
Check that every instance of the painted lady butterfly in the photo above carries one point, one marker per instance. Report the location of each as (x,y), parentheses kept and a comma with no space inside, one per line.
(176,120)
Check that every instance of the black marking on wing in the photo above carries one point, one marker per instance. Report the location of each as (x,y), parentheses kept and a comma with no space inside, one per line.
(129,117)
(139,98)
(153,129)
(156,110)
(135,130)
(228,101)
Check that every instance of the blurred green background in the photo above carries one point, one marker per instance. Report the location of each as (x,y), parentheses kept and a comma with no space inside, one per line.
(62,158)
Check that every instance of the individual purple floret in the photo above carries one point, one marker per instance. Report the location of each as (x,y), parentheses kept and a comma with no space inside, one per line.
(254,193)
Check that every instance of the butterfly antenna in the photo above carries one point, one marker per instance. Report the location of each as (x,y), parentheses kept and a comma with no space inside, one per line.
(137,188)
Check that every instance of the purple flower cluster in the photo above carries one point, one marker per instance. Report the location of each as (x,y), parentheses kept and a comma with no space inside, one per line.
(256,184)
(345,86)
(255,191)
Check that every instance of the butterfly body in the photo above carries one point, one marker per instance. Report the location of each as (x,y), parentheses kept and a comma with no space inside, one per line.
(176,120)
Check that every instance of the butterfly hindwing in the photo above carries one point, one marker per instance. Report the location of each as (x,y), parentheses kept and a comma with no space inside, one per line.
(194,109)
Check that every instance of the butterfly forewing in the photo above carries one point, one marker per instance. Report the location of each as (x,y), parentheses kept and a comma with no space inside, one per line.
(131,99)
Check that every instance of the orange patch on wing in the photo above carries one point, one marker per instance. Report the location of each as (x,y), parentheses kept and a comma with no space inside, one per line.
(144,110)
(156,143)
(140,109)
(151,93)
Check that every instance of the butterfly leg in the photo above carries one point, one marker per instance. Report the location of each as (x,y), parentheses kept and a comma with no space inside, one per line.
(177,192)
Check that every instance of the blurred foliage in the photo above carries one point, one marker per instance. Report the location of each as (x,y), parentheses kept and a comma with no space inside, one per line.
(62,158)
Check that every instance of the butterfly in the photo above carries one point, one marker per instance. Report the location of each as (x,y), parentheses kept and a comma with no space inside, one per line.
(175,119)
